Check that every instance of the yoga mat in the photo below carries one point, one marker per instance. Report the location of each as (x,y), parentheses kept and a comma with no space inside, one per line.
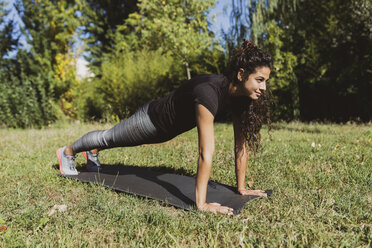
(175,190)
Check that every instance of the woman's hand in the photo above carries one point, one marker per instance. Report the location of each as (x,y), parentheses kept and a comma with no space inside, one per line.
(257,192)
(215,207)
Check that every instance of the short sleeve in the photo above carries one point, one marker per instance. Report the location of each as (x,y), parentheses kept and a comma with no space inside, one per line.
(206,95)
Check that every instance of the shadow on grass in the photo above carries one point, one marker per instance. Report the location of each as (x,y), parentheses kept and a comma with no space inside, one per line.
(295,129)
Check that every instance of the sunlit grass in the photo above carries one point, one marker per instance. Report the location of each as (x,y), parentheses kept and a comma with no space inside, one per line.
(321,176)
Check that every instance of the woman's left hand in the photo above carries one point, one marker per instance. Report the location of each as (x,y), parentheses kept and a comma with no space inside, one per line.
(257,192)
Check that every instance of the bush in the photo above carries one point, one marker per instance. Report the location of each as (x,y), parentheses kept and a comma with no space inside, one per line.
(134,78)
(24,103)
(88,102)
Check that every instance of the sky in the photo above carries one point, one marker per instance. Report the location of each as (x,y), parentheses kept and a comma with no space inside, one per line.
(221,10)
(219,22)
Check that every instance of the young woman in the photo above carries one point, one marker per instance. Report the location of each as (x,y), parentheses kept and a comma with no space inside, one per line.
(197,102)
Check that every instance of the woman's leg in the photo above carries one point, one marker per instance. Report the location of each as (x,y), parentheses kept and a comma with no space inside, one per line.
(136,130)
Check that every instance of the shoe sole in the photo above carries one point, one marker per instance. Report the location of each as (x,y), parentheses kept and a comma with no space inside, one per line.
(58,153)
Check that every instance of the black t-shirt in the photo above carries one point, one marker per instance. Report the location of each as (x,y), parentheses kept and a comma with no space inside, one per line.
(175,113)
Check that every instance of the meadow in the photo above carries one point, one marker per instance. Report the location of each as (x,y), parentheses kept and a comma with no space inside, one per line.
(321,175)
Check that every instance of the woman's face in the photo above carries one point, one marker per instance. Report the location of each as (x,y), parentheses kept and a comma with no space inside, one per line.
(255,85)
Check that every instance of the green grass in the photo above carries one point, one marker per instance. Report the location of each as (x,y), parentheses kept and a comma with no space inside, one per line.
(322,194)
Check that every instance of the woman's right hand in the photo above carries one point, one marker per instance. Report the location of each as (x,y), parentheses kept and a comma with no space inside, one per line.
(257,192)
(215,207)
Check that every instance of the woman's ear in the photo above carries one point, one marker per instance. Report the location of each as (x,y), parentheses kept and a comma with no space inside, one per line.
(240,75)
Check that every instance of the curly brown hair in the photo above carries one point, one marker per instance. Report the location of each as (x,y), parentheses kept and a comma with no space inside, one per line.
(251,113)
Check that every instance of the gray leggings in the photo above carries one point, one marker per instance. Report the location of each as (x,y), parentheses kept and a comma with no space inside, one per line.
(136,130)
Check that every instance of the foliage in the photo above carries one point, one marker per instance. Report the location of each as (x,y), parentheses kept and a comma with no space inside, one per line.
(7,39)
(149,54)
(49,29)
(180,27)
(134,78)
(100,19)
(284,81)
(251,19)
(332,44)
(88,103)
(23,99)
(335,58)
(43,76)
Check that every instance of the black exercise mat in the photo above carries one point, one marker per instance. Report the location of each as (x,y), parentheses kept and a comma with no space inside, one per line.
(176,190)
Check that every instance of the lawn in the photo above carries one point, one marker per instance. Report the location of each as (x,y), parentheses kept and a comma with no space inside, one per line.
(321,175)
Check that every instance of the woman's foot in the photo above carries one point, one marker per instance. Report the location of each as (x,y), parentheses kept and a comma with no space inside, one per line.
(66,162)
(93,164)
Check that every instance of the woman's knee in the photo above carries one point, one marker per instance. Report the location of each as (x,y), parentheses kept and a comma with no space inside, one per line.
(107,138)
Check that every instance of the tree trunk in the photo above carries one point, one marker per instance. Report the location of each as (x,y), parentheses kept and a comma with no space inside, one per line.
(188,71)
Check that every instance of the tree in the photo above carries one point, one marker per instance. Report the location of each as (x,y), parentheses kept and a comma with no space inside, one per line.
(18,99)
(100,19)
(284,80)
(331,41)
(249,17)
(7,32)
(49,27)
(251,20)
(36,79)
(177,26)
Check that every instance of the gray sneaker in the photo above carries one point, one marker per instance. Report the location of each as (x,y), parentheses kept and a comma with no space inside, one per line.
(93,164)
(66,162)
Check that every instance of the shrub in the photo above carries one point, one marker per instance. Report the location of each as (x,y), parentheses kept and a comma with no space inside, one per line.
(24,103)
(134,78)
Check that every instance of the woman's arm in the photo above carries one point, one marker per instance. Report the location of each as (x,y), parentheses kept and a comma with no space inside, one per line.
(241,160)
(205,124)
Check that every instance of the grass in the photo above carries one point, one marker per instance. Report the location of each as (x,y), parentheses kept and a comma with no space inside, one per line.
(321,175)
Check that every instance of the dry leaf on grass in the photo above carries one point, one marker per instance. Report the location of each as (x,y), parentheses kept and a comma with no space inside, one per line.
(59,208)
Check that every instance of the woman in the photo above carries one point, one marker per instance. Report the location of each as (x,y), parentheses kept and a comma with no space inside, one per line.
(197,102)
